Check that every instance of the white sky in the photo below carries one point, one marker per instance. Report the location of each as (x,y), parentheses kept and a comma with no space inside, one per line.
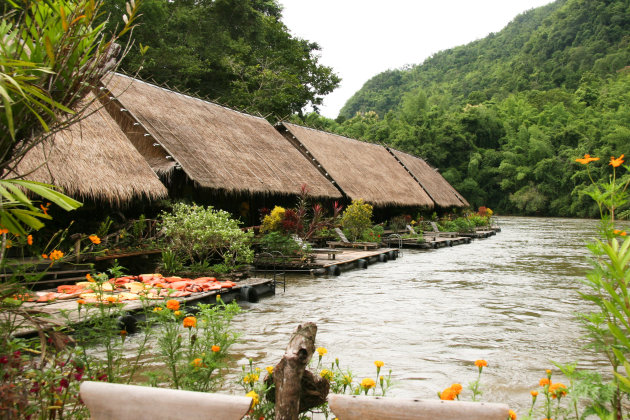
(360,39)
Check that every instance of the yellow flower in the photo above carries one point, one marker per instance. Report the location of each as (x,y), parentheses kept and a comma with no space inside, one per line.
(347,380)
(326,374)
(157,309)
(216,348)
(368,383)
(254,398)
(379,364)
(172,304)
(544,382)
(190,322)
(322,351)
(269,370)
(587,159)
(177,313)
(616,162)
(95,239)
(512,415)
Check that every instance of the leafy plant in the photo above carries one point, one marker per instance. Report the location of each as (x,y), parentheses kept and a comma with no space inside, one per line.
(356,219)
(195,234)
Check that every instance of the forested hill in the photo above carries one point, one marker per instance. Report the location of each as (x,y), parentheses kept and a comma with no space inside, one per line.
(505,117)
(544,48)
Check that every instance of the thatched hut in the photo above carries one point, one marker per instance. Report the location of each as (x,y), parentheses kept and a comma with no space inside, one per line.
(362,170)
(93,160)
(224,152)
(438,188)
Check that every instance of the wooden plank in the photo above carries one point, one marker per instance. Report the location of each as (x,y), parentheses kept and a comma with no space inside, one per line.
(353,407)
(131,402)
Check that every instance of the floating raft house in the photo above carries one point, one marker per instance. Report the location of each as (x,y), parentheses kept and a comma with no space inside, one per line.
(217,148)
(93,159)
(431,181)
(361,170)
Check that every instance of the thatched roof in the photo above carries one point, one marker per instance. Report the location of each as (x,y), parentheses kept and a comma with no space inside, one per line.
(363,170)
(93,159)
(219,148)
(438,188)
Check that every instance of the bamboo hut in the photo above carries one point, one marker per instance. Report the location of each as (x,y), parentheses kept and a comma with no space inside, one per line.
(93,159)
(362,170)
(438,188)
(225,151)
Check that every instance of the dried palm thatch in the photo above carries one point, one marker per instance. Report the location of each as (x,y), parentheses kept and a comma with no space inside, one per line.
(217,147)
(362,170)
(93,159)
(438,188)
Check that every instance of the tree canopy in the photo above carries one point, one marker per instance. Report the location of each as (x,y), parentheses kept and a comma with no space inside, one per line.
(235,52)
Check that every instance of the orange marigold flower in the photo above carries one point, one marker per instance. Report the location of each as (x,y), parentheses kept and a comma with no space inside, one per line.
(448,394)
(95,239)
(534,393)
(545,382)
(9,244)
(368,383)
(123,333)
(457,388)
(619,232)
(111,299)
(197,363)
(615,162)
(481,363)
(587,159)
(56,255)
(44,256)
(190,322)
(379,364)
(216,348)
(512,415)
(29,240)
(89,278)
(558,389)
(172,304)
(80,302)
(3,231)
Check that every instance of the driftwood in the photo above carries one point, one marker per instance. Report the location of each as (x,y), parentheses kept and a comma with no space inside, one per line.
(296,388)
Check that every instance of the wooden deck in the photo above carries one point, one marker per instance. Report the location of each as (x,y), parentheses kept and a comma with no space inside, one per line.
(55,308)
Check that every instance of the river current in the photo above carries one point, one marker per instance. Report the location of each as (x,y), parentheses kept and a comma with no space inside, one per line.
(509,299)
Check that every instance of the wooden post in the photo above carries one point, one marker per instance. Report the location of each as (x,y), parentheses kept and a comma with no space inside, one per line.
(297,389)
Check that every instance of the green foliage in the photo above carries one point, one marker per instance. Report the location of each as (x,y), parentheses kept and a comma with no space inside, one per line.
(235,51)
(195,355)
(356,219)
(285,244)
(504,117)
(195,234)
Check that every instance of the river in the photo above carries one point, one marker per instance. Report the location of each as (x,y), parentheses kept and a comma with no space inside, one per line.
(510,299)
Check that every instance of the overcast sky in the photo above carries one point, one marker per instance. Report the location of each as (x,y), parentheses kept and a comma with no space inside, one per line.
(360,39)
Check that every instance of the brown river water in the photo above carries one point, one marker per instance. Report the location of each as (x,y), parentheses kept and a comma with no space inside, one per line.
(510,299)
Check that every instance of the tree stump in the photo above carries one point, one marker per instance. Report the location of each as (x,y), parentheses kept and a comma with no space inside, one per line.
(297,389)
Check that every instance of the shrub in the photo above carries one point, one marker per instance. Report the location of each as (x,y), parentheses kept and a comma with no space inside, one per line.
(357,218)
(273,221)
(197,233)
